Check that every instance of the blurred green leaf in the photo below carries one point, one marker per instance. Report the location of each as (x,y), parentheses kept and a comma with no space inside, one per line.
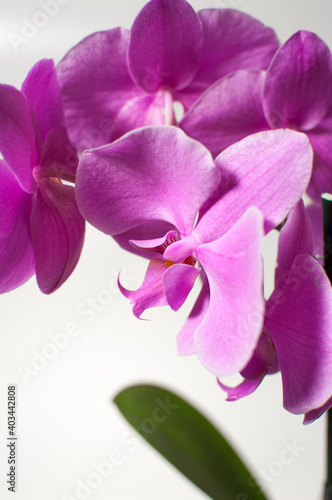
(189,441)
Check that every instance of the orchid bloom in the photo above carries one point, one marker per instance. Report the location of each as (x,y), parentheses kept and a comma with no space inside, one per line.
(295,92)
(297,336)
(42,230)
(156,180)
(118,80)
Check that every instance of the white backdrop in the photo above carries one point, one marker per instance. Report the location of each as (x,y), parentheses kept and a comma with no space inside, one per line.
(66,423)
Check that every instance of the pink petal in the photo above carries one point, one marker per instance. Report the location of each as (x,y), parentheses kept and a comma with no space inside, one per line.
(315,213)
(178,281)
(226,338)
(17,263)
(185,338)
(300,327)
(298,82)
(165,45)
(295,239)
(269,170)
(152,229)
(245,388)
(262,359)
(57,231)
(188,96)
(227,112)
(233,40)
(95,84)
(41,88)
(321,179)
(59,158)
(139,179)
(17,136)
(312,415)
(150,293)
(139,112)
(157,245)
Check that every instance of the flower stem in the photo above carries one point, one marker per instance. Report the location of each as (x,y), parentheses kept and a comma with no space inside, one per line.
(327,235)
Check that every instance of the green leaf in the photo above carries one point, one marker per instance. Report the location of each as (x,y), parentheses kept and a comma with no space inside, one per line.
(189,441)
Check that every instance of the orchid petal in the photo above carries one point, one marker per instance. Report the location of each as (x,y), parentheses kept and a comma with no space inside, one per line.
(17,136)
(227,112)
(315,213)
(152,229)
(245,388)
(157,245)
(139,112)
(295,239)
(233,40)
(300,327)
(269,170)
(326,122)
(57,231)
(17,263)
(255,370)
(188,96)
(312,415)
(185,337)
(226,338)
(165,45)
(136,179)
(95,84)
(41,88)
(59,158)
(178,280)
(150,293)
(262,359)
(321,179)
(298,82)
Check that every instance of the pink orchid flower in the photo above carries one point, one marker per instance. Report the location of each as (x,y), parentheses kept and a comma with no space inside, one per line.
(118,80)
(161,191)
(42,230)
(295,92)
(297,336)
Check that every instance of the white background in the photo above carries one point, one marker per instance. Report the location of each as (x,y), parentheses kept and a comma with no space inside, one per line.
(66,421)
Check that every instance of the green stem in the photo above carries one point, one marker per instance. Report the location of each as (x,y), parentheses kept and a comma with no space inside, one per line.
(327,235)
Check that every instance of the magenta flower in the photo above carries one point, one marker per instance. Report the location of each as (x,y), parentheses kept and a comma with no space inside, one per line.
(149,186)
(297,336)
(118,80)
(294,93)
(42,230)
